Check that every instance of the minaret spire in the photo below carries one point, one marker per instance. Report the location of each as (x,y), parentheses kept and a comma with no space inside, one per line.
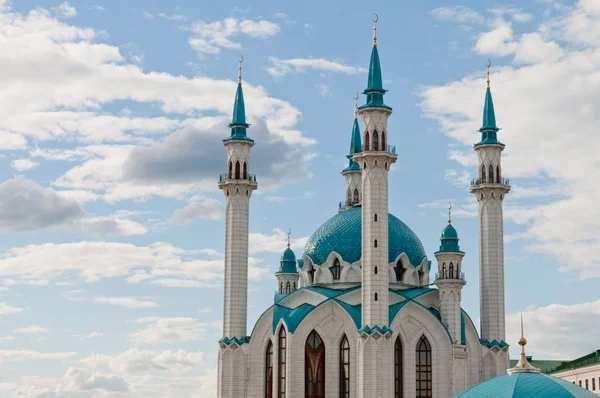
(523,366)
(489,64)
(240,70)
(289,238)
(238,123)
(375,30)
(449,217)
(489,129)
(352,173)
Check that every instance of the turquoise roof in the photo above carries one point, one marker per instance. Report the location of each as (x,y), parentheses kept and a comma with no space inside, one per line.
(489,128)
(526,385)
(355,147)
(374,90)
(449,240)
(288,262)
(342,234)
(238,123)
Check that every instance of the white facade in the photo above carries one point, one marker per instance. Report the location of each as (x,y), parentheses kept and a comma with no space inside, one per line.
(587,377)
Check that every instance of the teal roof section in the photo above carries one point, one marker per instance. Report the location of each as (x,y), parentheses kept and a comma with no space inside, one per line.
(526,385)
(238,123)
(288,262)
(374,90)
(449,240)
(586,360)
(355,147)
(342,234)
(288,255)
(489,129)
(494,343)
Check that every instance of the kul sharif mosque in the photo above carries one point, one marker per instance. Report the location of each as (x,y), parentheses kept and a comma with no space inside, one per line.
(356,315)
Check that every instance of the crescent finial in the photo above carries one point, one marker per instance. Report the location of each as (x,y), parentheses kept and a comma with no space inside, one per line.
(241,60)
(489,64)
(376,18)
(240,69)
(289,237)
(449,209)
(356,98)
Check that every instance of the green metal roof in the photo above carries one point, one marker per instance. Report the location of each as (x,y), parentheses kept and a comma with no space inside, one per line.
(546,366)
(355,147)
(449,240)
(238,123)
(586,360)
(489,129)
(342,233)
(526,385)
(374,90)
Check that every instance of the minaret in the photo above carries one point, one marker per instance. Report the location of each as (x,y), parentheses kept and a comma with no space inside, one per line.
(489,189)
(352,173)
(237,185)
(374,160)
(287,276)
(450,280)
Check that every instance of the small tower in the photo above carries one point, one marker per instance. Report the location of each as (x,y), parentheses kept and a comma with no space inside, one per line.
(287,276)
(237,184)
(450,280)
(489,189)
(352,173)
(374,160)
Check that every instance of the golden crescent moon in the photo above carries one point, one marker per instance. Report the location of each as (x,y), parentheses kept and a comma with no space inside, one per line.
(241,60)
(376,18)
(289,231)
(449,206)
(489,63)
(357,97)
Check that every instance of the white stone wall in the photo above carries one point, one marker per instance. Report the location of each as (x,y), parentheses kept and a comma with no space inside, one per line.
(450,289)
(353,182)
(284,279)
(586,377)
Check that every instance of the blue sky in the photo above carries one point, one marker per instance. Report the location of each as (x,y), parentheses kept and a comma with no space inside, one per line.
(111,116)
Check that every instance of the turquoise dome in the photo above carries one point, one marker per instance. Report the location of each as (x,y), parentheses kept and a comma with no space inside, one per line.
(288,255)
(526,385)
(342,234)
(449,240)
(288,262)
(449,232)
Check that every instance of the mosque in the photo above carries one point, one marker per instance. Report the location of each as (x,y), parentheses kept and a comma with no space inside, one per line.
(356,315)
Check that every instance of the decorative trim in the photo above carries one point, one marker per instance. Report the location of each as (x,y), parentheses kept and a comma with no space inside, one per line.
(369,330)
(228,341)
(495,343)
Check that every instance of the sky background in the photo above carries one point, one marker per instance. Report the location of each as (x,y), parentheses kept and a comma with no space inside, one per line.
(111,120)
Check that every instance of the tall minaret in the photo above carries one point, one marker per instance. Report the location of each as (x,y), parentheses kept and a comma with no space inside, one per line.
(375,160)
(489,189)
(352,173)
(237,185)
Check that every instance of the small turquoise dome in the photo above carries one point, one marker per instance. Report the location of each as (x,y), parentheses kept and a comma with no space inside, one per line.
(288,262)
(526,385)
(449,232)
(342,233)
(449,240)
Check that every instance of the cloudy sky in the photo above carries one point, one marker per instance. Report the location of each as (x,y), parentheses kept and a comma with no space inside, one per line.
(111,116)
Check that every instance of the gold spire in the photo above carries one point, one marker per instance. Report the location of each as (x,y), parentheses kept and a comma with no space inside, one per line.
(356,107)
(449,218)
(289,238)
(375,30)
(523,366)
(489,64)
(240,69)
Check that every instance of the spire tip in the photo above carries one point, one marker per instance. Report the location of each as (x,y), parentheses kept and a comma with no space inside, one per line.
(375,30)
(488,65)
(289,238)
(240,69)
(449,217)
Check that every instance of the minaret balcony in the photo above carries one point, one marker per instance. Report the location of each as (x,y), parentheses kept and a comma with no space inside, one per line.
(248,179)
(345,204)
(390,149)
(450,276)
(478,182)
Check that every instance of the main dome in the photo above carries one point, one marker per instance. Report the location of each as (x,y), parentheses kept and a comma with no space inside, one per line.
(342,234)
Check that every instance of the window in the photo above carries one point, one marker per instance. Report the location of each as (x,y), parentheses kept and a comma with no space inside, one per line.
(375,141)
(229,175)
(593,384)
(421,273)
(451,271)
(349,197)
(375,243)
(491,174)
(579,383)
(375,296)
(498,174)
(281,369)
(287,288)
(367,141)
(375,218)
(424,369)
(245,171)
(356,200)
(399,269)
(375,270)
(269,371)
(444,275)
(294,286)
(345,368)
(587,384)
(483,174)
(237,170)
(314,366)
(311,274)
(398,385)
(383,148)
(281,288)
(336,270)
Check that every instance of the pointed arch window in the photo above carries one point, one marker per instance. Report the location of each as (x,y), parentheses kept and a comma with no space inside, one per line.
(375,218)
(375,141)
(398,381)
(349,196)
(383,148)
(444,275)
(376,297)
(269,371)
(336,270)
(399,270)
(375,243)
(287,288)
(367,141)
(498,174)
(294,286)
(311,274)
(314,366)
(237,170)
(345,368)
(483,174)
(375,270)
(424,369)
(355,199)
(230,174)
(451,271)
(281,288)
(491,174)
(421,274)
(282,363)
(245,174)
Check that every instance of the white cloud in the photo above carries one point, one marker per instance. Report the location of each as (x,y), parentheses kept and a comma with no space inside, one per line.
(516,14)
(172,17)
(165,330)
(65,10)
(6,338)
(282,67)
(138,361)
(458,14)
(210,209)
(273,243)
(97,7)
(109,225)
(23,164)
(324,90)
(7,309)
(93,335)
(549,330)
(33,329)
(126,302)
(211,37)
(498,41)
(10,356)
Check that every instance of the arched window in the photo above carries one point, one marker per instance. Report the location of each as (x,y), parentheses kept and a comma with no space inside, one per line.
(398,384)
(375,270)
(281,288)
(451,271)
(311,274)
(282,362)
(367,141)
(491,174)
(383,148)
(314,366)
(349,197)
(424,369)
(294,286)
(375,141)
(345,368)
(230,174)
(375,244)
(483,174)
(245,171)
(399,270)
(498,174)
(375,218)
(444,275)
(287,288)
(336,270)
(421,273)
(355,197)
(237,170)
(269,371)
(376,297)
